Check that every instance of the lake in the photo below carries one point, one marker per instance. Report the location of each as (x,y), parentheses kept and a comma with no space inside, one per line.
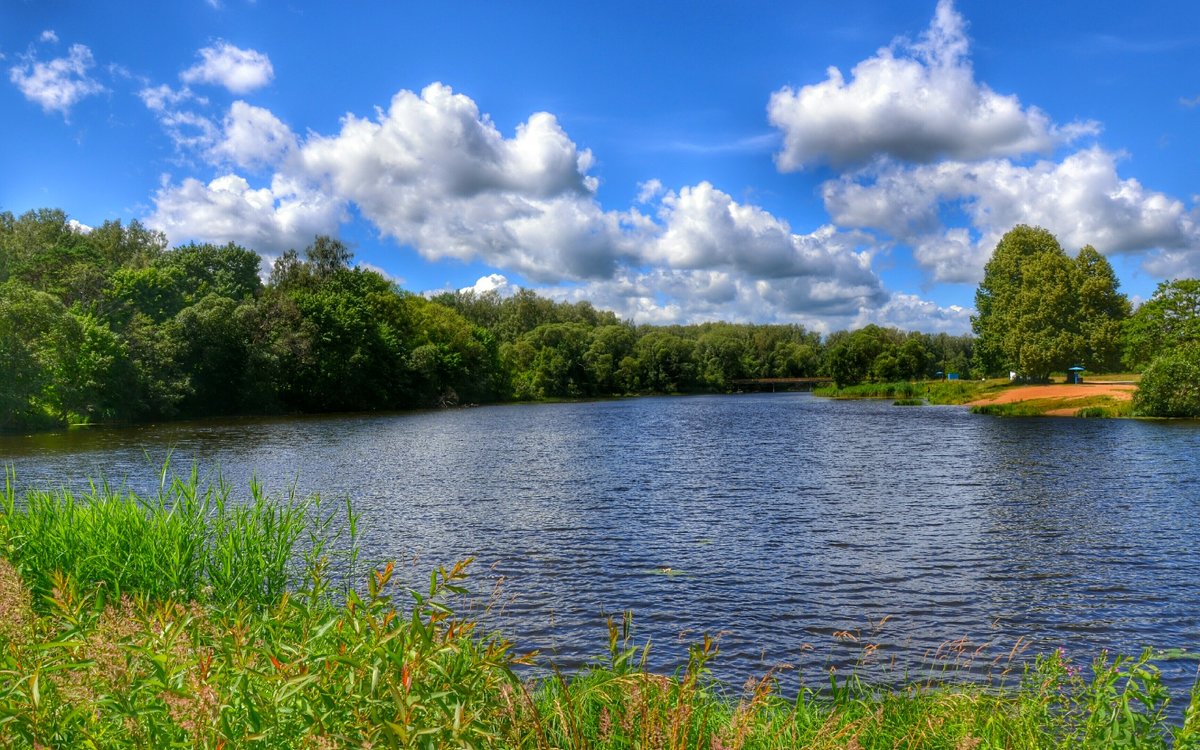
(803,531)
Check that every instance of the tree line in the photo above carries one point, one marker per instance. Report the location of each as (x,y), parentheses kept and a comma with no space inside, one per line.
(111,325)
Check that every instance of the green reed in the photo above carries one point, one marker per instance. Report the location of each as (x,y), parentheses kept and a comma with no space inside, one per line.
(902,390)
(192,540)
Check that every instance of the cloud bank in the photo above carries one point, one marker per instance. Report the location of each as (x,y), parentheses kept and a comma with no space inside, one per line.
(433,172)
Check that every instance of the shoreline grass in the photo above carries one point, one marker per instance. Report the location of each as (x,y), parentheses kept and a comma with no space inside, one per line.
(1105,407)
(237,666)
(940,392)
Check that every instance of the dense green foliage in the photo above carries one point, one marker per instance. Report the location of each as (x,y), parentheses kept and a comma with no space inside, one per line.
(1168,321)
(256,667)
(1040,311)
(884,355)
(1170,386)
(112,326)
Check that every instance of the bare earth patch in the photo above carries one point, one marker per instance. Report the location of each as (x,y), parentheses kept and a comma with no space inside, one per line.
(1017,393)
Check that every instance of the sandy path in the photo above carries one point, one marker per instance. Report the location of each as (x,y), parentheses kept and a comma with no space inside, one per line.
(1120,391)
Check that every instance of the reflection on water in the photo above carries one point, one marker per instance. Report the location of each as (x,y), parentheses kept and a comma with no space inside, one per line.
(784,518)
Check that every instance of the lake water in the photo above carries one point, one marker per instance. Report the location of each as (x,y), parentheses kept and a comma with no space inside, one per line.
(792,526)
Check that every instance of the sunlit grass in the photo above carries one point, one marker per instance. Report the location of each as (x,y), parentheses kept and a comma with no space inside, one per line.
(191,541)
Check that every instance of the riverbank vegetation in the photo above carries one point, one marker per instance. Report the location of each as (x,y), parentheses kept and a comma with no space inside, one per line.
(930,391)
(97,649)
(109,325)
(1102,407)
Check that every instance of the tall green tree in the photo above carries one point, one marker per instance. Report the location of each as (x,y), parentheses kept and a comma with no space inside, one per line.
(25,316)
(665,362)
(1039,311)
(1007,299)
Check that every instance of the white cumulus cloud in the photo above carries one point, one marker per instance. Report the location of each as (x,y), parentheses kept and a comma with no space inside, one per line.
(163,98)
(912,101)
(189,129)
(253,137)
(433,172)
(239,70)
(1082,200)
(705,228)
(57,84)
(664,296)
(493,282)
(909,312)
(270,219)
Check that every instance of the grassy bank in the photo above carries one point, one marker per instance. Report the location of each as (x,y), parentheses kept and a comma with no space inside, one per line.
(92,656)
(1096,407)
(932,391)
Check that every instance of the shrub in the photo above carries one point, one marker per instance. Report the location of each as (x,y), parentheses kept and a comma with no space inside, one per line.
(1170,386)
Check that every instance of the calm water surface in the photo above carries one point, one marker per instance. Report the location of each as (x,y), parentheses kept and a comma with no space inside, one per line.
(784,519)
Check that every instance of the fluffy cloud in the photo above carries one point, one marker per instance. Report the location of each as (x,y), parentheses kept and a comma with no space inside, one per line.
(189,130)
(912,101)
(705,228)
(434,173)
(1082,199)
(58,84)
(163,98)
(239,70)
(493,282)
(285,215)
(741,260)
(253,137)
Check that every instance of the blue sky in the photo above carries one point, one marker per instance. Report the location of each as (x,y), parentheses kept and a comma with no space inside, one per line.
(832,164)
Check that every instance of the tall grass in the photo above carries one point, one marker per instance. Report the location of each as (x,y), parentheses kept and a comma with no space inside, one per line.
(873,390)
(191,541)
(290,663)
(935,391)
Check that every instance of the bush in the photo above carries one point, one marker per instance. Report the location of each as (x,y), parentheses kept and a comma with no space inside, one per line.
(1170,386)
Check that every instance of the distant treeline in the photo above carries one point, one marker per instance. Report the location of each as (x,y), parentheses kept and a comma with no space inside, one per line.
(109,325)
